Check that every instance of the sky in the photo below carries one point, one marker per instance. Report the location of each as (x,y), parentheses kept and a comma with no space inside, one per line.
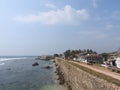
(40,27)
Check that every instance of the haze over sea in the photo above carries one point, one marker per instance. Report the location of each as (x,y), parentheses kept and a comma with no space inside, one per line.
(17,73)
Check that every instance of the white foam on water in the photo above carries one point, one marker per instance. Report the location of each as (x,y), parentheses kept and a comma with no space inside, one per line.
(10,59)
(2,64)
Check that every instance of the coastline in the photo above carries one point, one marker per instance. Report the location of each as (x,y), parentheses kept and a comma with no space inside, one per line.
(56,85)
(60,77)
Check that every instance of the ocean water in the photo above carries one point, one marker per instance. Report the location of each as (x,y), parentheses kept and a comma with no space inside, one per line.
(17,73)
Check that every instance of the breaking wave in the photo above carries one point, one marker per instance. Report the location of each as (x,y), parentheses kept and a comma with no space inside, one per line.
(10,59)
(2,64)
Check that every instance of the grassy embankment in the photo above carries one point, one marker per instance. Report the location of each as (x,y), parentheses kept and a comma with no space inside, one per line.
(100,75)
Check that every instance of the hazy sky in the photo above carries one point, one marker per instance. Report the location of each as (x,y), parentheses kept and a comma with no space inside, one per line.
(37,27)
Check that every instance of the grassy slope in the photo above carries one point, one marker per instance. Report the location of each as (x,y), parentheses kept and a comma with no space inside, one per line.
(100,75)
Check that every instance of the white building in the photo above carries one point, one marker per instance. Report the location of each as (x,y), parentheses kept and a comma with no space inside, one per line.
(118,62)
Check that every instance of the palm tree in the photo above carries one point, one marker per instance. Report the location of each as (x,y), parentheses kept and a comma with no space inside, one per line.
(67,54)
(105,56)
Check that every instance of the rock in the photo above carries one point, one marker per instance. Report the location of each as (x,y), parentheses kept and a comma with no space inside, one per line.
(9,69)
(53,61)
(47,67)
(60,76)
(35,64)
(56,64)
(55,71)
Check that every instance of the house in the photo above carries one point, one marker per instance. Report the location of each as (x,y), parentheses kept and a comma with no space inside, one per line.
(114,61)
(90,58)
(111,62)
(93,58)
(118,62)
(81,58)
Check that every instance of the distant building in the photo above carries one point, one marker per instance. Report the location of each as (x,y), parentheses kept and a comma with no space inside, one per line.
(44,57)
(93,58)
(90,58)
(118,62)
(111,62)
(114,59)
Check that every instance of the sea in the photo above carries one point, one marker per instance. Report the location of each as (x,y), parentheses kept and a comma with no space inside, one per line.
(17,73)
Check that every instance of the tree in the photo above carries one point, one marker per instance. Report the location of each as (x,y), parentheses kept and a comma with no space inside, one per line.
(88,51)
(91,51)
(73,52)
(60,55)
(95,52)
(56,55)
(70,54)
(105,56)
(79,50)
(67,54)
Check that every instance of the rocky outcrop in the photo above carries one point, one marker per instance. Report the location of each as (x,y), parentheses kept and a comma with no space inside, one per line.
(44,57)
(48,67)
(35,64)
(78,79)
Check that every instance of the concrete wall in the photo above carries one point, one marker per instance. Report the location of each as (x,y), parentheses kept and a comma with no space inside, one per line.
(78,79)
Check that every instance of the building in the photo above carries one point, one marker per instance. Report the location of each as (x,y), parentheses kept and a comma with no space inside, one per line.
(90,58)
(93,58)
(114,59)
(118,62)
(111,63)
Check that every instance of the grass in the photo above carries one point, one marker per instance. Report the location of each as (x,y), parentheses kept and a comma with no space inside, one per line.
(100,75)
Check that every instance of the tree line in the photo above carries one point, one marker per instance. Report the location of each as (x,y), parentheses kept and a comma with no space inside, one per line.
(70,54)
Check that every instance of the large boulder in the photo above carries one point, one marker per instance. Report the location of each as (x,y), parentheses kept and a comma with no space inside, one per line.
(35,64)
(48,67)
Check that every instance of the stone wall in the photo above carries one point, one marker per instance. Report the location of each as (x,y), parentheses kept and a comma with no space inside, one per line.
(77,79)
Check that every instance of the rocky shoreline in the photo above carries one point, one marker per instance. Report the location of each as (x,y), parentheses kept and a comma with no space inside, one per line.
(61,77)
